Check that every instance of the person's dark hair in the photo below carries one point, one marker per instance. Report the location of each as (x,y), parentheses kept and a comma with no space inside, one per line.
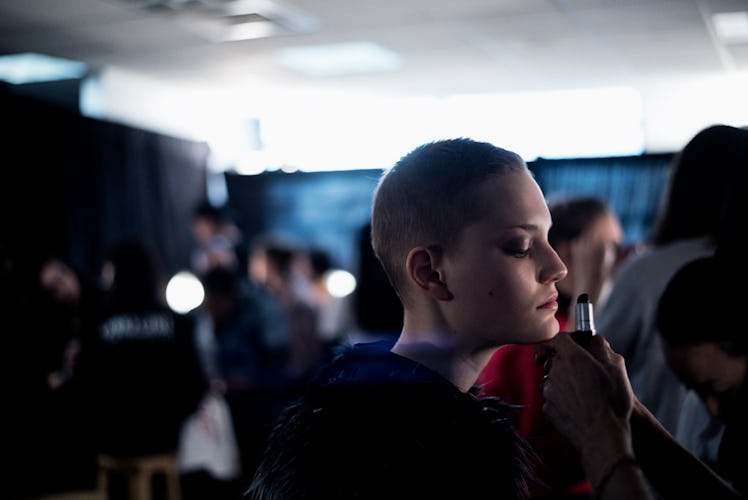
(138,281)
(220,281)
(320,261)
(426,198)
(572,216)
(281,257)
(707,184)
(206,210)
(696,305)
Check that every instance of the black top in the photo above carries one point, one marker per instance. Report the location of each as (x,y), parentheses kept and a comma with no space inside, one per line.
(143,378)
(373,424)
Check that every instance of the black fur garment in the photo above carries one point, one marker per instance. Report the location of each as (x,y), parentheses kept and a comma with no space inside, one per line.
(375,425)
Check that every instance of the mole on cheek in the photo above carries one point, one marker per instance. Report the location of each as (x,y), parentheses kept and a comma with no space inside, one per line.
(490,293)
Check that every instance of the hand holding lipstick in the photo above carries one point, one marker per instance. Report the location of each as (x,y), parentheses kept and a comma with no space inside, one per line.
(589,400)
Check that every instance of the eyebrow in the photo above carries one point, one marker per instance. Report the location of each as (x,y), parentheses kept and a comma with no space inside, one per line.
(526,227)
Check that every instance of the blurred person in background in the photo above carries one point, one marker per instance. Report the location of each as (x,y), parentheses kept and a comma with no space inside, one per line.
(246,371)
(334,321)
(51,444)
(272,265)
(138,364)
(216,238)
(705,189)
(704,338)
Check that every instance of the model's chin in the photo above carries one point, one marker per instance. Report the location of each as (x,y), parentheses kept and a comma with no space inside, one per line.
(544,338)
(535,334)
(538,337)
(547,331)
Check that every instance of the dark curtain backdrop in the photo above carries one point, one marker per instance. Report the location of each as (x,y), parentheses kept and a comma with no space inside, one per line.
(74,185)
(632,185)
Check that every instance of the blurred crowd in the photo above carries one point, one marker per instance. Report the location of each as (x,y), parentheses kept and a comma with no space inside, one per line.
(102,365)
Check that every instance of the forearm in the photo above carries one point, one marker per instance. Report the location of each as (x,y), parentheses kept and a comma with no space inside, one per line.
(672,469)
(611,465)
(626,481)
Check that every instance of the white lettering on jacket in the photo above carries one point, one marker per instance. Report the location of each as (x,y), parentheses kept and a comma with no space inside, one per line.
(137,327)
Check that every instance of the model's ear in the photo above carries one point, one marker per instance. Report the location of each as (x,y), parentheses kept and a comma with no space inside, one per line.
(421,264)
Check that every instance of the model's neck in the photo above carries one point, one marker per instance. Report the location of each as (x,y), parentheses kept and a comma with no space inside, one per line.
(443,357)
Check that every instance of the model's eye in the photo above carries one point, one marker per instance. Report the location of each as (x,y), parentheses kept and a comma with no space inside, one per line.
(518,245)
(518,252)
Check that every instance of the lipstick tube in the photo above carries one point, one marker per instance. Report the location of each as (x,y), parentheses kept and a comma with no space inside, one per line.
(584,321)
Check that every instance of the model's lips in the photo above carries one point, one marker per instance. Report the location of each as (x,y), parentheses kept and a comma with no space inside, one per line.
(551,303)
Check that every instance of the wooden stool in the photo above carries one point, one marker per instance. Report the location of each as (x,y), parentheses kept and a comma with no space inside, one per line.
(74,495)
(139,472)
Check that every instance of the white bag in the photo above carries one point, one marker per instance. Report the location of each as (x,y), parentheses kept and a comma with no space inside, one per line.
(208,442)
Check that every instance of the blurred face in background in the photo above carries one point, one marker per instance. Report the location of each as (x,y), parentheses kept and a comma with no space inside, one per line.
(107,275)
(717,377)
(608,232)
(203,229)
(257,266)
(60,281)
(595,251)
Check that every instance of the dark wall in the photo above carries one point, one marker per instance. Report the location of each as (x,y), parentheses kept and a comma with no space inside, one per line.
(325,209)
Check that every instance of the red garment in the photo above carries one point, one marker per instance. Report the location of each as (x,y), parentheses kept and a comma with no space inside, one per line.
(513,376)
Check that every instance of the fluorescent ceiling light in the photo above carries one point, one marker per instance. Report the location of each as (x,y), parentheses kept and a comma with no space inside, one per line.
(229,29)
(339,59)
(233,20)
(248,31)
(731,27)
(30,67)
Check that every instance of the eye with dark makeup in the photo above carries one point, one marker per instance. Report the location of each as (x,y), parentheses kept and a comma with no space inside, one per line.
(517,248)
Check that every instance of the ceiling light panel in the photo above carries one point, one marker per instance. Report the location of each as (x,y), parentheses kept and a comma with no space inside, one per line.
(339,59)
(731,27)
